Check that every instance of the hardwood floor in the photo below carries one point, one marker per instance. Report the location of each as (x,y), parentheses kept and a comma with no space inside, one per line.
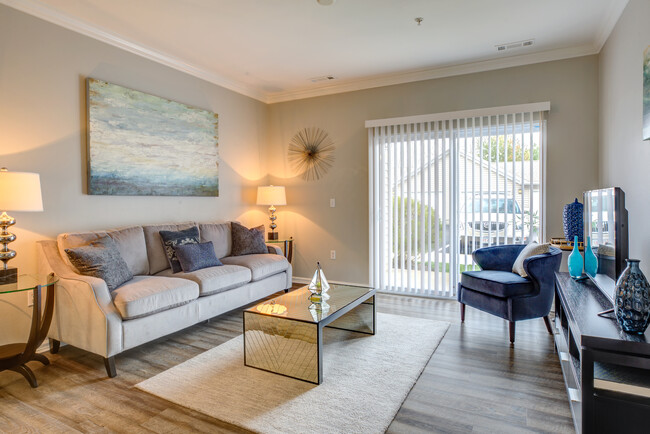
(475,381)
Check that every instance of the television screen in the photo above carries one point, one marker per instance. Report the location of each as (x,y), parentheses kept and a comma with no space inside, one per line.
(605,222)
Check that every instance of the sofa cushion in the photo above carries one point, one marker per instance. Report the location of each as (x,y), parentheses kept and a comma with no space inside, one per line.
(146,295)
(247,241)
(213,280)
(219,234)
(173,239)
(75,239)
(130,243)
(196,256)
(155,251)
(261,266)
(101,258)
(497,283)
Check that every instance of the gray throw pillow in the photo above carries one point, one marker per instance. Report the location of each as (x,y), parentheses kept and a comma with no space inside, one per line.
(101,258)
(247,241)
(194,257)
(172,239)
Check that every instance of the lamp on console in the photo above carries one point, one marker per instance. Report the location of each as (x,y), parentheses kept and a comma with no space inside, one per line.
(271,195)
(19,191)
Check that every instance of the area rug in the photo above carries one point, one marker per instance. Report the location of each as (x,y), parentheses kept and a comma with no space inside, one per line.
(365,380)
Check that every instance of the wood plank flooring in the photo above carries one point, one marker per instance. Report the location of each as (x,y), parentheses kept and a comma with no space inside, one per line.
(474,382)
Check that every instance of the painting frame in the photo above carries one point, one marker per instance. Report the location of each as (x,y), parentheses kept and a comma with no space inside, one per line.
(646,94)
(140,144)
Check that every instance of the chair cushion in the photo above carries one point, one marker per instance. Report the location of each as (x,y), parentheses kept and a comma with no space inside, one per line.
(496,283)
(146,295)
(214,280)
(261,265)
(130,242)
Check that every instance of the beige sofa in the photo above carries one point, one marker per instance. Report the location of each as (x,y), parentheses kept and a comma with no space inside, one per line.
(156,302)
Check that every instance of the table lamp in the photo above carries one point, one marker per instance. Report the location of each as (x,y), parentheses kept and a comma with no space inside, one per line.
(271,195)
(19,191)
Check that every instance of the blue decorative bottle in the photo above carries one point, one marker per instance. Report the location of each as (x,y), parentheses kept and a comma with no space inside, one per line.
(575,260)
(572,219)
(632,302)
(591,261)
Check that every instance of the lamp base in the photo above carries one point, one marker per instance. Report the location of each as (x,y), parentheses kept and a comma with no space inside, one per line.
(10,275)
(273,236)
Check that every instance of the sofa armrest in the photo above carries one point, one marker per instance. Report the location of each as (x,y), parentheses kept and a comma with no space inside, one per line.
(273,249)
(84,313)
(498,258)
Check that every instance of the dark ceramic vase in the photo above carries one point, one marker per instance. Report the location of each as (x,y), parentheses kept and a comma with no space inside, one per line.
(632,302)
(572,219)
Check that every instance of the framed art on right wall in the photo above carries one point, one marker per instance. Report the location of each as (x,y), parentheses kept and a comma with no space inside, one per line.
(646,94)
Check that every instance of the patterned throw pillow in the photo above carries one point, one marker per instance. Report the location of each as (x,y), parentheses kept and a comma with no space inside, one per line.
(247,241)
(194,257)
(101,258)
(531,249)
(171,239)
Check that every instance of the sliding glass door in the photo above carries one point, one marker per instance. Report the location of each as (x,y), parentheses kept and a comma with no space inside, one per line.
(444,186)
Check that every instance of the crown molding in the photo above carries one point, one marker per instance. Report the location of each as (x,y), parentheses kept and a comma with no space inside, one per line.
(432,73)
(44,12)
(613,14)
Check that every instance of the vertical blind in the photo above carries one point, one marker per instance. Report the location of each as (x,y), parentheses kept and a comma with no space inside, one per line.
(443,185)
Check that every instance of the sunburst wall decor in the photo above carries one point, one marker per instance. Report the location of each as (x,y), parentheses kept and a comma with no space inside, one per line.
(311,153)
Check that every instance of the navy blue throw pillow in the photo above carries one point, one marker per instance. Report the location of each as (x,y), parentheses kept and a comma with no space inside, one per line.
(194,257)
(173,239)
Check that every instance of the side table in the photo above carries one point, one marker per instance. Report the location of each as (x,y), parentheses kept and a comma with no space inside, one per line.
(288,247)
(13,357)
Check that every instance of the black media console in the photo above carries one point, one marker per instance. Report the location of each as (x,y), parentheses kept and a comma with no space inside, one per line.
(606,371)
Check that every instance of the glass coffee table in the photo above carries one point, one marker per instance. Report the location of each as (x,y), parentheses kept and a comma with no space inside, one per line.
(284,335)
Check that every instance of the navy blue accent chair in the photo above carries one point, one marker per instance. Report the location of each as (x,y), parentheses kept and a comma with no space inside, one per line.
(497,290)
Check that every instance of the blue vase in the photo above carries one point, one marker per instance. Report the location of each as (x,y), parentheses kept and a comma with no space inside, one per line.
(591,261)
(632,299)
(575,260)
(572,220)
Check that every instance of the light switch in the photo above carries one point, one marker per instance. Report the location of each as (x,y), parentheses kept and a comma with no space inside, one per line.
(332,203)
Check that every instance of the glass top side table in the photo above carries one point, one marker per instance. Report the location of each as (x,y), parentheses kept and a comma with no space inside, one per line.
(13,357)
(288,247)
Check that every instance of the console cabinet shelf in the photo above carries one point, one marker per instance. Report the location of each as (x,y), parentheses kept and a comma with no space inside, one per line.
(606,371)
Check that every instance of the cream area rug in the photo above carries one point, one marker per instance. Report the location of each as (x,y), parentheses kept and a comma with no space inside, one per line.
(365,380)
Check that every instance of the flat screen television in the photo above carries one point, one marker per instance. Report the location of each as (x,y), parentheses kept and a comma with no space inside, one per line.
(605,222)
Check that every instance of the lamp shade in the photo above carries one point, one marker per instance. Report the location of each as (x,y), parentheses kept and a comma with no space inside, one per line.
(271,195)
(20,191)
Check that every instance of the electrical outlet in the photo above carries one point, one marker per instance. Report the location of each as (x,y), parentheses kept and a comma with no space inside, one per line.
(332,254)
(332,203)
(30,298)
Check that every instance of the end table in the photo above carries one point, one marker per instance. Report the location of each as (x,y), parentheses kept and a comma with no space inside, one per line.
(288,247)
(13,357)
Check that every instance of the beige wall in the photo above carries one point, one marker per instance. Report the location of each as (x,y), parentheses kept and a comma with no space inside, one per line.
(42,129)
(624,156)
(570,85)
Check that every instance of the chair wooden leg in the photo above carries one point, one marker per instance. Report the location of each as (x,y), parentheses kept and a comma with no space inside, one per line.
(54,346)
(462,312)
(109,364)
(41,358)
(512,332)
(27,373)
(548,325)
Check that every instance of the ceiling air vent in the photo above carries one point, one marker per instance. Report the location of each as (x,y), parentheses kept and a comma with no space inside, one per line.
(511,45)
(323,78)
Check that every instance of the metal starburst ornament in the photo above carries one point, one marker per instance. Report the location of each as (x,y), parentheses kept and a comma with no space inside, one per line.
(311,153)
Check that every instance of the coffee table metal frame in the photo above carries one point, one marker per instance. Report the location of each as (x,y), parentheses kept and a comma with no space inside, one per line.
(302,338)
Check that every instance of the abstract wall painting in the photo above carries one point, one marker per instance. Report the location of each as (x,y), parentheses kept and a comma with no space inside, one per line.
(646,94)
(144,145)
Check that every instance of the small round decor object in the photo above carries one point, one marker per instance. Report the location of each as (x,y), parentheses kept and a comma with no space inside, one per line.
(311,153)
(632,303)
(572,218)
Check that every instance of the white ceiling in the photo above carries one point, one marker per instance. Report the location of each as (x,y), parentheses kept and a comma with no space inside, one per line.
(270,49)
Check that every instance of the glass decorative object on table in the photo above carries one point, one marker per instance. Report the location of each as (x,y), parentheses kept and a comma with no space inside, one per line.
(575,260)
(318,285)
(591,261)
